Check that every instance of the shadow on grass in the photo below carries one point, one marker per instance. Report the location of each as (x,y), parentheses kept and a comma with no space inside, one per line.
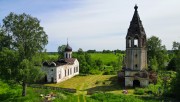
(108,85)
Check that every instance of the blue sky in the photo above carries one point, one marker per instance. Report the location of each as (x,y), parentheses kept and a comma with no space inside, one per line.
(98,24)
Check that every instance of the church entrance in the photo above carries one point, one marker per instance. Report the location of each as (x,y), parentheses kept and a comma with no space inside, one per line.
(45,78)
(136,83)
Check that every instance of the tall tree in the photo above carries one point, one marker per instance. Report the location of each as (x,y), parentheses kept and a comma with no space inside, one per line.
(176,81)
(80,51)
(61,50)
(28,40)
(156,52)
(5,40)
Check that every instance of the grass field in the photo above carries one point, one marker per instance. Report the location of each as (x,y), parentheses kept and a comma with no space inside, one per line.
(105,57)
(105,88)
(92,83)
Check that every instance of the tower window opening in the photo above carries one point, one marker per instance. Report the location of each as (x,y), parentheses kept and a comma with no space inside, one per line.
(135,42)
(129,43)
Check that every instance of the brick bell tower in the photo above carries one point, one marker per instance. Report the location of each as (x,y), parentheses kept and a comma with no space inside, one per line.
(136,53)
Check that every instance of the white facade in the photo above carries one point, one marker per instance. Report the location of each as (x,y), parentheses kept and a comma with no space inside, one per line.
(61,73)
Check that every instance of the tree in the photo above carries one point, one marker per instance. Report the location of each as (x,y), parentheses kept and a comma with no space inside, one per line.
(153,64)
(173,64)
(80,51)
(176,81)
(156,52)
(176,45)
(61,50)
(5,40)
(28,40)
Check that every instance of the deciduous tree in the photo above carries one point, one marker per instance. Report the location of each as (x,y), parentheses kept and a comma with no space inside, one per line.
(156,52)
(61,50)
(28,40)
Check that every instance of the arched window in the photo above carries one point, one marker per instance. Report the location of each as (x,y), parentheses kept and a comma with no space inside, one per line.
(65,72)
(129,42)
(66,55)
(136,41)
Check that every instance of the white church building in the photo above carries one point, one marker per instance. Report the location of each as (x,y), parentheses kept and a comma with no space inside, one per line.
(61,69)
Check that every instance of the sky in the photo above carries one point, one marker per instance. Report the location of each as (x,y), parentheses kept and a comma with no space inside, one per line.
(98,24)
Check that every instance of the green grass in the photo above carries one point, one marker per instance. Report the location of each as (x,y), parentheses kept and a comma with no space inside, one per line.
(105,57)
(105,88)
(90,83)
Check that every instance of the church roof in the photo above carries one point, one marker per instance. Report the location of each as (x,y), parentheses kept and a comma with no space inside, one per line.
(60,62)
(136,27)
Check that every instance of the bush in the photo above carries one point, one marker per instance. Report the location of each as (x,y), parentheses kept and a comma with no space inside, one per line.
(107,72)
(110,72)
(94,72)
(139,91)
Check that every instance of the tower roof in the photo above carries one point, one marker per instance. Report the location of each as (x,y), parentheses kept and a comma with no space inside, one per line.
(68,48)
(136,27)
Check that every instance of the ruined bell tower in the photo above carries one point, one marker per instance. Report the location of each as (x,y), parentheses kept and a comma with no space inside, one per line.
(136,53)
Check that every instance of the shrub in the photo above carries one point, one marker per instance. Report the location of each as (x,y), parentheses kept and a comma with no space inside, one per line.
(95,72)
(107,72)
(139,91)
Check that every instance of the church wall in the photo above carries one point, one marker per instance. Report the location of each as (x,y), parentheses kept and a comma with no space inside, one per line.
(129,81)
(61,73)
(144,82)
(50,73)
(136,58)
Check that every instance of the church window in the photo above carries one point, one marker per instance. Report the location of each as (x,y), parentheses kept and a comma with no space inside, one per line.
(51,69)
(65,72)
(59,76)
(66,55)
(68,71)
(74,70)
